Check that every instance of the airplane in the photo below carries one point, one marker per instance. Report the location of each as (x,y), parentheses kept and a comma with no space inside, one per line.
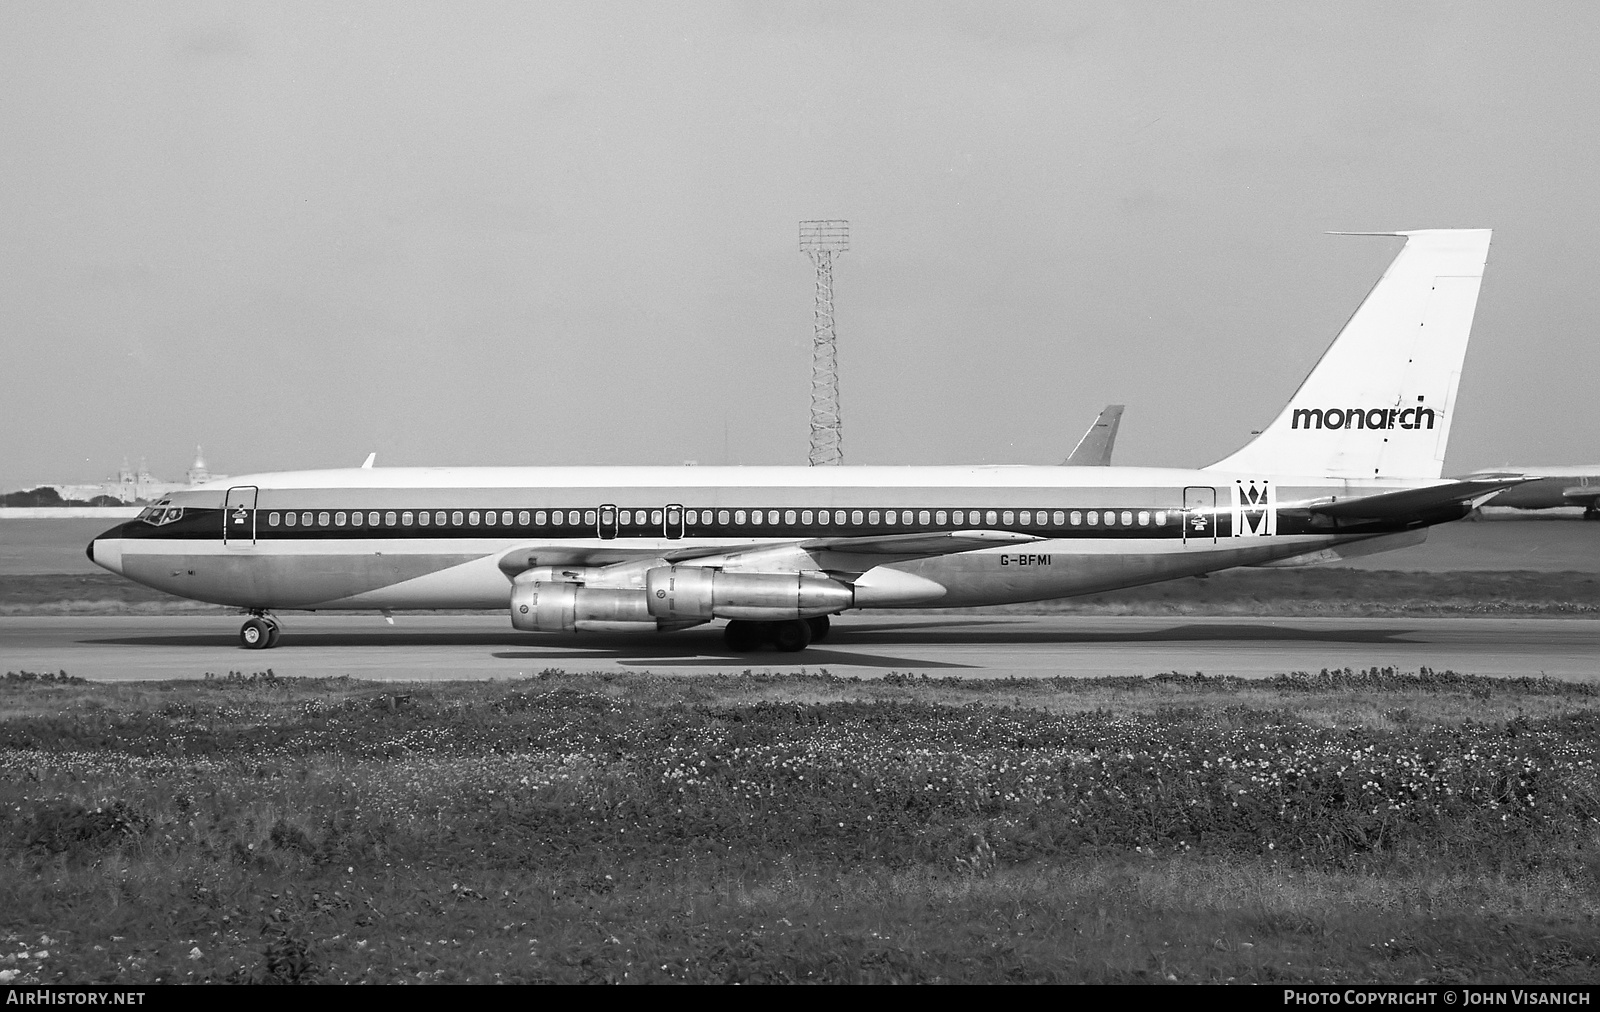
(1549,487)
(1350,466)
(1094,449)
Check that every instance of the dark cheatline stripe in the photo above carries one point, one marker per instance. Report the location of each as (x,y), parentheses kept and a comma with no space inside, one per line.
(206,524)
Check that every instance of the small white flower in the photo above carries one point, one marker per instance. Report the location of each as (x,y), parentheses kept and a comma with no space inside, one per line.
(194,953)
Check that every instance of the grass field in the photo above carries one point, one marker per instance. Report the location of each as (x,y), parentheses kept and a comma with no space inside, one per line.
(1373,826)
(1295,592)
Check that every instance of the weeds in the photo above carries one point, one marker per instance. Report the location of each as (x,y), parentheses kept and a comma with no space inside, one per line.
(577,827)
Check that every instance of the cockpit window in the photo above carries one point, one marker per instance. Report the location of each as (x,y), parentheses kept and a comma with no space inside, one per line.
(160,514)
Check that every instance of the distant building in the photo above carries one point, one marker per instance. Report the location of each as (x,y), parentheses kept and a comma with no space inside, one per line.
(132,486)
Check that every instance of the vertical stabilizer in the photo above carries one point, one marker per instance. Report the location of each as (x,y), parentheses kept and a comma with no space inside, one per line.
(1094,449)
(1380,401)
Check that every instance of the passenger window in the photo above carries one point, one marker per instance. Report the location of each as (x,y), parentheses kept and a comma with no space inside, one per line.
(992,517)
(489,518)
(738,516)
(805,516)
(723,517)
(572,518)
(540,518)
(1111,518)
(405,519)
(755,516)
(389,519)
(588,518)
(1094,518)
(1144,518)
(655,517)
(305,520)
(855,516)
(1027,518)
(1075,518)
(472,519)
(522,518)
(938,518)
(288,520)
(789,517)
(423,517)
(892,517)
(439,518)
(924,518)
(1060,518)
(456,518)
(272,519)
(324,520)
(772,516)
(872,517)
(1161,518)
(1127,518)
(1008,518)
(372,519)
(338,520)
(674,517)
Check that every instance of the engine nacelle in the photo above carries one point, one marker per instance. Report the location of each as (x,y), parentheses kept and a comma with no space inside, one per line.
(568,607)
(690,592)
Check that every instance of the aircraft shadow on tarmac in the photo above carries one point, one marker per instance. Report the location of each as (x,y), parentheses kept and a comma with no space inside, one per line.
(704,647)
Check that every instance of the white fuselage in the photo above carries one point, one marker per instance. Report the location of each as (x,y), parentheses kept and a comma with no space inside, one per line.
(442,537)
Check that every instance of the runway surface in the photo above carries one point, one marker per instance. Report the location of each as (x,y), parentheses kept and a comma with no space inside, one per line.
(431,647)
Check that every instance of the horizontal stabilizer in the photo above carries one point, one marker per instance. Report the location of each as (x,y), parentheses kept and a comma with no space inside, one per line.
(1411,503)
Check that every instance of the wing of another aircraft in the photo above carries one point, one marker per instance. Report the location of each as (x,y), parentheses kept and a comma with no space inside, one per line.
(1094,449)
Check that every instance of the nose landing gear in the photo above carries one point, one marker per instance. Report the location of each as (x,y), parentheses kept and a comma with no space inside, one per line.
(260,632)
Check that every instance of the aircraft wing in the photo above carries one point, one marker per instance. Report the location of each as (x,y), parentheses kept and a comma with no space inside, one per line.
(901,546)
(1094,449)
(1410,502)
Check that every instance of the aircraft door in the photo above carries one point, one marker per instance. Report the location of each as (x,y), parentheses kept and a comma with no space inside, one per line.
(606,522)
(239,517)
(673,526)
(1199,515)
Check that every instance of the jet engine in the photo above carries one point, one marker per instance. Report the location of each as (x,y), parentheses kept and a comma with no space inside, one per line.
(569,607)
(689,592)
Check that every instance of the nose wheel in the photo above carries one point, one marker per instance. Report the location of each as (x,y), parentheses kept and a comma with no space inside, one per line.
(260,632)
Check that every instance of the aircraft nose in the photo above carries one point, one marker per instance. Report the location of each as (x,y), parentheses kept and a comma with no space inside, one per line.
(106,550)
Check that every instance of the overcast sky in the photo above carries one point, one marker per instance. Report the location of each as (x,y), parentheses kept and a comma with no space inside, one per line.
(566,233)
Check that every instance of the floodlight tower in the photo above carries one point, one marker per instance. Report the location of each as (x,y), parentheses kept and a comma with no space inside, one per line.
(821,241)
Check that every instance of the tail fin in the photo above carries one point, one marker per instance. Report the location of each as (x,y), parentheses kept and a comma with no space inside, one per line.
(1094,449)
(1380,401)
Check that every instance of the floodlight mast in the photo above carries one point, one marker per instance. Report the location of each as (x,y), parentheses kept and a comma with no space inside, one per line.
(821,241)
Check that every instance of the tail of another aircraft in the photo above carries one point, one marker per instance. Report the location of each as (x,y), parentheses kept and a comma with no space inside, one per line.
(1094,449)
(1380,401)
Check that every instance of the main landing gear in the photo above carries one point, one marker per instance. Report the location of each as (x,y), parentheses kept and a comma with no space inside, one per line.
(260,632)
(791,636)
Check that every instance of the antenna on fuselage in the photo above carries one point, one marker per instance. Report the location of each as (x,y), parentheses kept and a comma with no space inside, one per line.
(370,458)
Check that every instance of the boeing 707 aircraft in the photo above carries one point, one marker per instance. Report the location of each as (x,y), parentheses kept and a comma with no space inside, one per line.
(1350,466)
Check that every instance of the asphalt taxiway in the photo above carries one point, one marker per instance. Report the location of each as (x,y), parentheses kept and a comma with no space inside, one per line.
(432,647)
